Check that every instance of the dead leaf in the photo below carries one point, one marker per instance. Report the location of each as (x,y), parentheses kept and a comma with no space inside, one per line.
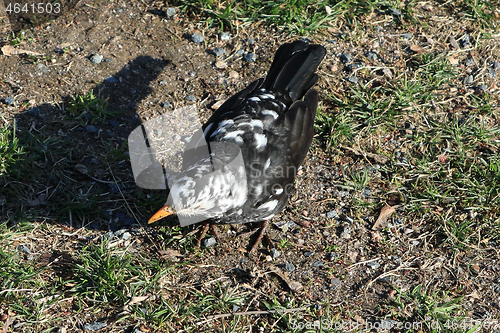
(9,50)
(169,253)
(454,43)
(138,299)
(417,48)
(217,105)
(220,64)
(380,159)
(385,213)
(81,168)
(428,8)
(454,61)
(38,201)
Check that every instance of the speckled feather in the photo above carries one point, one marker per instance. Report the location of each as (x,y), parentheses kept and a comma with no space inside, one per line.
(272,127)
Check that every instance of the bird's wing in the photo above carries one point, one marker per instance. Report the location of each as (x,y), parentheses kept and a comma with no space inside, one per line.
(299,118)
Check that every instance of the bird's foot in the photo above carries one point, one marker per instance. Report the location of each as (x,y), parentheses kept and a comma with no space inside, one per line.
(203,233)
(262,233)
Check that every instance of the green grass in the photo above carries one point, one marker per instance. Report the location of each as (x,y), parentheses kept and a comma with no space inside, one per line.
(10,151)
(90,106)
(435,311)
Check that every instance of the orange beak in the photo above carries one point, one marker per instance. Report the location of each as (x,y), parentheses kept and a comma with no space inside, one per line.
(163,212)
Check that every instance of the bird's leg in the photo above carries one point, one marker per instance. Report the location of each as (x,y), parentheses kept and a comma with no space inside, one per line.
(204,230)
(262,233)
(214,232)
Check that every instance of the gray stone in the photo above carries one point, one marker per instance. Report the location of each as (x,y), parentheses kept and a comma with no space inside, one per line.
(197,38)
(218,51)
(207,242)
(224,36)
(274,253)
(372,56)
(345,57)
(95,326)
(332,214)
(250,57)
(335,283)
(96,59)
(170,11)
(9,100)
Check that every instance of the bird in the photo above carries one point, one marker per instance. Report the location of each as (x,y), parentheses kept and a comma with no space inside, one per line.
(256,140)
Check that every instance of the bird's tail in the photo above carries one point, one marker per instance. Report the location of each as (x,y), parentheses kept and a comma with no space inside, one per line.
(293,68)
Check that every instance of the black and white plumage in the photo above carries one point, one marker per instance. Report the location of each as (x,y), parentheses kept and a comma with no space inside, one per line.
(272,127)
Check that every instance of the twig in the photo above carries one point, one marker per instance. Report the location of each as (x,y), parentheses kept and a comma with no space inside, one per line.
(363,262)
(251,313)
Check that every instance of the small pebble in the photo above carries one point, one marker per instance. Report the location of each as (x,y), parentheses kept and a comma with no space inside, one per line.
(345,57)
(114,123)
(209,242)
(111,79)
(492,72)
(240,52)
(251,41)
(96,59)
(197,38)
(469,62)
(24,249)
(250,57)
(163,82)
(408,36)
(126,235)
(352,79)
(91,128)
(373,265)
(495,65)
(482,87)
(165,105)
(224,36)
(469,80)
(308,253)
(335,283)
(348,219)
(394,11)
(220,64)
(42,67)
(191,98)
(170,11)
(415,242)
(218,51)
(346,233)
(387,72)
(95,326)
(109,235)
(119,10)
(466,40)
(372,56)
(289,267)
(332,214)
(9,100)
(274,253)
(318,264)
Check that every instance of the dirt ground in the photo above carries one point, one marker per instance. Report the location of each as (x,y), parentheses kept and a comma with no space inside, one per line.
(340,264)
